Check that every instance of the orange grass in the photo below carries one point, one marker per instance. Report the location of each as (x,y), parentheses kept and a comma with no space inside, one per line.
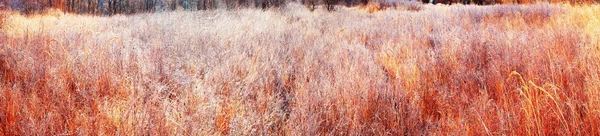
(451,70)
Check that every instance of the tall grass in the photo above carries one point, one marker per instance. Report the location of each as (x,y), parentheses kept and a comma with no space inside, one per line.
(453,70)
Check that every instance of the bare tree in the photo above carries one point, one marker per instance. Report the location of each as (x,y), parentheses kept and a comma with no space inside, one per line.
(330,4)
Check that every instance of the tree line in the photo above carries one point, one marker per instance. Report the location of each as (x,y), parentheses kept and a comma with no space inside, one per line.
(110,7)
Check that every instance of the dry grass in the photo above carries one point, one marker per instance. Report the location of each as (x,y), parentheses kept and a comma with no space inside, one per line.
(452,70)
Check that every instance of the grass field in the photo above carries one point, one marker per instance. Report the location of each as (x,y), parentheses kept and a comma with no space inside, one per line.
(410,70)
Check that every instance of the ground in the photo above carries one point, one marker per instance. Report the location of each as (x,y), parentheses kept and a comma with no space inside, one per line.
(410,70)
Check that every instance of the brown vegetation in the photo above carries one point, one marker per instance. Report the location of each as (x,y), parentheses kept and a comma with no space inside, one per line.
(113,7)
(452,70)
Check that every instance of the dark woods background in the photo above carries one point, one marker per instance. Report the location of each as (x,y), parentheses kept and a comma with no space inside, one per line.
(109,7)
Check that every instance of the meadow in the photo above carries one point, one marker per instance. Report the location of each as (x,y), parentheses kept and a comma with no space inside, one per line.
(421,69)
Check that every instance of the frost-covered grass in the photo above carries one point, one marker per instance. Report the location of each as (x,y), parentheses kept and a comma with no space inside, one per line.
(452,70)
